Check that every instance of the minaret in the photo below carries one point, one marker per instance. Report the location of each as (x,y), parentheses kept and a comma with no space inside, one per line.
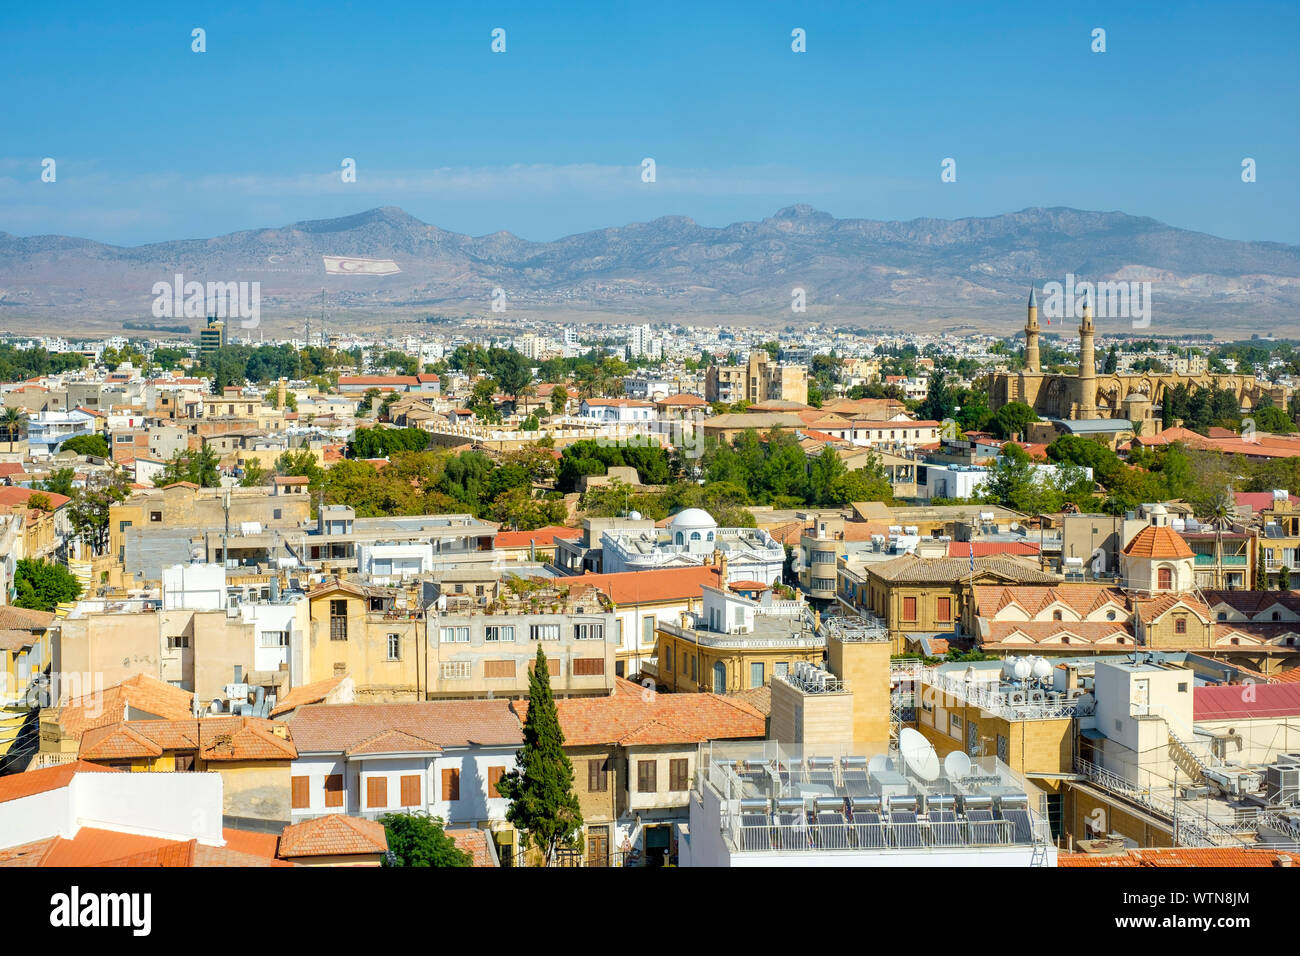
(1087,393)
(1031,334)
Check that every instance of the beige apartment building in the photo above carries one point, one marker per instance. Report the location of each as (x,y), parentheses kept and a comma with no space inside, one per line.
(761,379)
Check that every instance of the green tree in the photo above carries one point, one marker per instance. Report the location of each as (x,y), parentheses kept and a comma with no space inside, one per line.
(1010,420)
(13,422)
(1261,575)
(88,512)
(199,467)
(559,399)
(60,482)
(42,586)
(255,475)
(540,790)
(415,839)
(1284,578)
(95,445)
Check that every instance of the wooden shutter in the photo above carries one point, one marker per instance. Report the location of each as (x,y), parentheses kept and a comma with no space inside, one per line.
(678,774)
(450,783)
(494,777)
(300,792)
(596,780)
(645,776)
(377,792)
(943,611)
(498,668)
(909,609)
(334,790)
(588,666)
(411,790)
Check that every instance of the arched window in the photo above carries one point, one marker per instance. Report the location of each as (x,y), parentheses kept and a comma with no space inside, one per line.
(1165,579)
(1110,615)
(1065,638)
(695,536)
(710,535)
(719,678)
(681,538)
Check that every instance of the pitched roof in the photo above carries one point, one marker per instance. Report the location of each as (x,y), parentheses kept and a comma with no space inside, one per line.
(141,693)
(213,738)
(473,842)
(1182,856)
(23,619)
(1014,634)
(1158,543)
(631,716)
(545,537)
(911,569)
(391,742)
(18,785)
(312,693)
(643,587)
(333,728)
(334,834)
(11,495)
(1229,701)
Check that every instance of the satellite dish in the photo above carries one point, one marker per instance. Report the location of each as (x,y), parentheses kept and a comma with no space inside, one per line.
(918,754)
(956,765)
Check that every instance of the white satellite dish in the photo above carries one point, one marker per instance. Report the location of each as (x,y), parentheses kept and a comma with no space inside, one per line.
(918,754)
(956,765)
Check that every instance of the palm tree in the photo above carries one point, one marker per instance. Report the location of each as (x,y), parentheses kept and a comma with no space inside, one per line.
(13,422)
(1217,510)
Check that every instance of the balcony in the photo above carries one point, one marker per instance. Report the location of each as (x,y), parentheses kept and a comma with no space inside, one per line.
(1229,560)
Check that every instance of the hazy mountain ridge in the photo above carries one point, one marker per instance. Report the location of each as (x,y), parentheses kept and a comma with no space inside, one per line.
(977,267)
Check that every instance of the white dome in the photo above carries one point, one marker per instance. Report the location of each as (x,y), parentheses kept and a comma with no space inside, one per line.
(691,519)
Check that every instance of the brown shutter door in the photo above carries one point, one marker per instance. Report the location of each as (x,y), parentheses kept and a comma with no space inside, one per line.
(300,793)
(450,784)
(377,792)
(334,790)
(411,790)
(494,777)
(909,609)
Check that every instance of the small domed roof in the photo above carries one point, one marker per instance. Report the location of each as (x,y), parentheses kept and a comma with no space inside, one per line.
(691,519)
(1158,543)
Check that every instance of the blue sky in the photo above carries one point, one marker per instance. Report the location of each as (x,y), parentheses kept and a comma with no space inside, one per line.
(153,141)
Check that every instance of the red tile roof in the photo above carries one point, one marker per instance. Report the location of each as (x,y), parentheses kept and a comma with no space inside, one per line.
(18,785)
(544,537)
(142,694)
(1158,542)
(10,496)
(1229,701)
(645,587)
(306,694)
(1181,856)
(214,739)
(633,715)
(333,728)
(473,842)
(333,835)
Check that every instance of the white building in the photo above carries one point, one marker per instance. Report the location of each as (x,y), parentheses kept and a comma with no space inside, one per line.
(692,538)
(617,410)
(390,563)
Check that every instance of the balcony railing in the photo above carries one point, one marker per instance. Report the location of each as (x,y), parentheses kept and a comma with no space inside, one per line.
(881,837)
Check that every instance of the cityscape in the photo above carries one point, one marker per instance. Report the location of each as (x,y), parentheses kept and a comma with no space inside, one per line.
(969,538)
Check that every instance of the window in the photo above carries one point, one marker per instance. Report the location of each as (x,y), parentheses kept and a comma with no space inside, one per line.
(954,725)
(184,762)
(394,647)
(499,633)
(909,609)
(376,791)
(450,783)
(334,790)
(597,776)
(589,632)
(719,677)
(1165,579)
(645,776)
(1182,687)
(1180,625)
(499,669)
(155,516)
(1056,615)
(543,632)
(456,670)
(943,609)
(781,669)
(668,657)
(410,790)
(823,557)
(338,620)
(275,638)
(695,668)
(823,584)
(179,642)
(756,676)
(647,630)
(276,514)
(340,670)
(494,777)
(454,635)
(679,775)
(588,666)
(300,792)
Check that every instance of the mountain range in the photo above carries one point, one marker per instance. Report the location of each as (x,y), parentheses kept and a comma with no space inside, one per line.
(963,273)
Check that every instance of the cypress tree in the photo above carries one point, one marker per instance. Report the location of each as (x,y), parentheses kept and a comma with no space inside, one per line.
(1261,574)
(543,805)
(1284,578)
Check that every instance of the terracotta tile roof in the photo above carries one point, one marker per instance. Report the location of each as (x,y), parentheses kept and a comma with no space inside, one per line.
(1181,856)
(312,693)
(250,841)
(1154,542)
(984,549)
(18,785)
(378,380)
(1025,634)
(391,742)
(633,716)
(190,854)
(11,495)
(141,694)
(645,587)
(1229,701)
(473,842)
(1287,677)
(1152,609)
(333,835)
(333,728)
(682,400)
(1083,599)
(1254,603)
(545,537)
(214,739)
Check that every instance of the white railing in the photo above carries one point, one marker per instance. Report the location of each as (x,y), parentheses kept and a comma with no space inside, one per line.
(1029,704)
(883,837)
